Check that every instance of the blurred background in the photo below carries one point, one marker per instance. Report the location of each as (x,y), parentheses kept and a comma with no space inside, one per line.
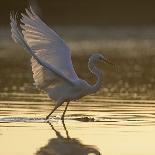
(123,30)
(88,12)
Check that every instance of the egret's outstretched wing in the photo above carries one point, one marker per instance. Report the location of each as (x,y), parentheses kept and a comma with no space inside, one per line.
(51,61)
(48,46)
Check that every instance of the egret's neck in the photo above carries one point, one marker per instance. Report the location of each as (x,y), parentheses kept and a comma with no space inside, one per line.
(99,76)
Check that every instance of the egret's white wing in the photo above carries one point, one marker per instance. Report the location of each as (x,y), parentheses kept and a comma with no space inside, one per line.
(48,46)
(45,74)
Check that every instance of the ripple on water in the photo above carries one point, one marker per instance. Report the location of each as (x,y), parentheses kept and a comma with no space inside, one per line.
(34,108)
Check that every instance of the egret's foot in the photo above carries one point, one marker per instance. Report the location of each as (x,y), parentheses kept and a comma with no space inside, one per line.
(47,117)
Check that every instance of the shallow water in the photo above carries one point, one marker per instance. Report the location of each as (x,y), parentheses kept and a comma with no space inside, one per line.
(93,125)
(118,120)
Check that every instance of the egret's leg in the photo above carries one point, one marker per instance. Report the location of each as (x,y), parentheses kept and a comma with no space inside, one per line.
(62,117)
(56,106)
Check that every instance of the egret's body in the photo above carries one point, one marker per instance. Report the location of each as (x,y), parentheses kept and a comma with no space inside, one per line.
(52,67)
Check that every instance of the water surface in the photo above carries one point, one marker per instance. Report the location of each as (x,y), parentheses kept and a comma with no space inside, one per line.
(93,125)
(118,120)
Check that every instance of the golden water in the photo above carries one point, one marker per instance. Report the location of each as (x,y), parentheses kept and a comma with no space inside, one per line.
(93,125)
(118,120)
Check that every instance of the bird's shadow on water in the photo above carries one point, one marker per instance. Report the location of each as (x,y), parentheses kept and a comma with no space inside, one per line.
(66,145)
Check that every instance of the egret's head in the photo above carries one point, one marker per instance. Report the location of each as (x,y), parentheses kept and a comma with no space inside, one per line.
(99,57)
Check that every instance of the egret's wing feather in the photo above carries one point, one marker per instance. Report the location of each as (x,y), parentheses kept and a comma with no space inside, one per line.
(47,45)
(43,77)
(40,67)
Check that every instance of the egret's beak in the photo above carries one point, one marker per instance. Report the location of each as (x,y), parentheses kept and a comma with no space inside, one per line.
(107,61)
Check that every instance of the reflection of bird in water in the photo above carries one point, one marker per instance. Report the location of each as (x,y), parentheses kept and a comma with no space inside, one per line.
(52,66)
(66,146)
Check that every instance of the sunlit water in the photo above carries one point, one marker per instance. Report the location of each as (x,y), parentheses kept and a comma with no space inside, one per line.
(93,125)
(119,120)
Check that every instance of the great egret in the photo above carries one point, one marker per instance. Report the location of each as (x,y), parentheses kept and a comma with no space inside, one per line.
(52,66)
